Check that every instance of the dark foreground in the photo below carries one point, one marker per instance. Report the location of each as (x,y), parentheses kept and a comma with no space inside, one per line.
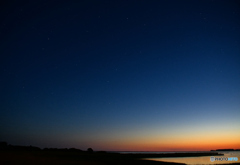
(84,158)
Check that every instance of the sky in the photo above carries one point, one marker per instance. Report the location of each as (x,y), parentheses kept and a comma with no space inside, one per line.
(123,75)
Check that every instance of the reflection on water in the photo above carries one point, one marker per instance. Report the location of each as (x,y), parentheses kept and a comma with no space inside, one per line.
(202,159)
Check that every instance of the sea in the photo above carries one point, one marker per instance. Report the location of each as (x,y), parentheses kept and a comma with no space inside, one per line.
(229,157)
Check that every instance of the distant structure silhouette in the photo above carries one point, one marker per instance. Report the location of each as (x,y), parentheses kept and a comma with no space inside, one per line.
(90,150)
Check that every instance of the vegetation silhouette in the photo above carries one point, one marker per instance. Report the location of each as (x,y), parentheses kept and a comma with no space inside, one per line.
(9,147)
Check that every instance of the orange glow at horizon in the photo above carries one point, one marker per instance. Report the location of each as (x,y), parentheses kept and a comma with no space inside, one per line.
(177,143)
(187,138)
(191,145)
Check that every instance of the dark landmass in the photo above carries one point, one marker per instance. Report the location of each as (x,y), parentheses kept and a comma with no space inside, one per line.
(10,154)
(60,157)
(226,150)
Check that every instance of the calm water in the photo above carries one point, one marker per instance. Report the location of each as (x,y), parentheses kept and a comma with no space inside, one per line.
(201,159)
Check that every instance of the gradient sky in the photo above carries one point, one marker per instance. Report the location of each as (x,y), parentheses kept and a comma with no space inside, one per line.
(120,75)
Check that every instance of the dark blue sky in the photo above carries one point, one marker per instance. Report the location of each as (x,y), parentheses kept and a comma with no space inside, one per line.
(105,73)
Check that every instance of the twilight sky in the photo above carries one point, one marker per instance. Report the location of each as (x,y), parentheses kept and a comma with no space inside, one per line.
(120,75)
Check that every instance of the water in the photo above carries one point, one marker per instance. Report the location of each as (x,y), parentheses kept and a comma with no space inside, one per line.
(199,159)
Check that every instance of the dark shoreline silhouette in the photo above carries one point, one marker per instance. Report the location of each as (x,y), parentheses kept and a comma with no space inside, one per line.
(11,154)
(226,150)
